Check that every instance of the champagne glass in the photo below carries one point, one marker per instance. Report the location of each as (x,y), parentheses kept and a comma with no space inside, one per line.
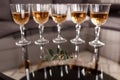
(21,14)
(78,16)
(59,14)
(41,15)
(98,14)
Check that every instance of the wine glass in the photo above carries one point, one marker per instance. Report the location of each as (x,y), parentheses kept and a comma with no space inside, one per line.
(59,14)
(78,16)
(98,14)
(21,14)
(40,14)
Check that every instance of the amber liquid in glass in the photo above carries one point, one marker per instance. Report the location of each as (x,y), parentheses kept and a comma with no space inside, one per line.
(98,18)
(78,17)
(59,18)
(19,18)
(41,17)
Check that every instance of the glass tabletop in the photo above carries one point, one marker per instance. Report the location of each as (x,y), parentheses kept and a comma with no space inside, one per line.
(59,55)
(76,72)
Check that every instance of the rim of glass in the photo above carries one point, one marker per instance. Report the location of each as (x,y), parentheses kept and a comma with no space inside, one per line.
(20,3)
(79,4)
(69,3)
(60,4)
(40,3)
(100,4)
(47,4)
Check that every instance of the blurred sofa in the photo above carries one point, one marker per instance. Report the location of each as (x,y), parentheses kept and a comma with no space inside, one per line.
(10,54)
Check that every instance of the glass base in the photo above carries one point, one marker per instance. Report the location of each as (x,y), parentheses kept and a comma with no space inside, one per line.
(77,41)
(96,43)
(23,42)
(59,40)
(41,41)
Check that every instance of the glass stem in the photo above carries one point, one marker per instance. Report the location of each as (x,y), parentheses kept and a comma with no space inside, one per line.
(59,30)
(22,32)
(78,27)
(41,28)
(66,69)
(45,73)
(79,72)
(97,33)
(76,51)
(50,72)
(61,74)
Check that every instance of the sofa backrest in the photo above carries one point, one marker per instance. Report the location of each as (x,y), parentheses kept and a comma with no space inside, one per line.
(31,1)
(5,13)
(70,1)
(5,10)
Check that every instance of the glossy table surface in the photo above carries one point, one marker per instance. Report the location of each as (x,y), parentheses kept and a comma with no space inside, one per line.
(69,49)
(71,73)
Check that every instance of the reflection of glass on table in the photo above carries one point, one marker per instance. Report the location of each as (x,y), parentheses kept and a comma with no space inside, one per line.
(80,72)
(90,74)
